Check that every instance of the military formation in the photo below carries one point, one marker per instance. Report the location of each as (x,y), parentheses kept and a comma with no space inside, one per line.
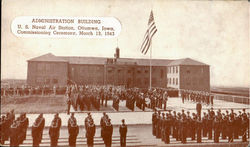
(197,96)
(26,90)
(15,130)
(183,125)
(92,96)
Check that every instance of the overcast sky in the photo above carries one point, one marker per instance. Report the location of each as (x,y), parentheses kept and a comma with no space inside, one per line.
(213,32)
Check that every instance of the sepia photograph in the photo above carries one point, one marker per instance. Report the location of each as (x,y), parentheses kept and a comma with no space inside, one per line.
(134,73)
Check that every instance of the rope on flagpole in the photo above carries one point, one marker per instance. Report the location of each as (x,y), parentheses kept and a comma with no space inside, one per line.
(150,76)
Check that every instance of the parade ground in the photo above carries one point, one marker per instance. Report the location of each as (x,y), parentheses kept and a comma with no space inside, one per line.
(132,118)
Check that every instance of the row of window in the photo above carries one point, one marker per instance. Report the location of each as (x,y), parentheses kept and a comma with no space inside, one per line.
(173,81)
(42,80)
(173,69)
(138,72)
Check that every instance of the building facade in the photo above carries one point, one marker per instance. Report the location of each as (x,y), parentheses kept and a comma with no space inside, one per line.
(53,70)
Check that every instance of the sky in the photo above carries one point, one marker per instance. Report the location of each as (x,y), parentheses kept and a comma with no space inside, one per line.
(213,32)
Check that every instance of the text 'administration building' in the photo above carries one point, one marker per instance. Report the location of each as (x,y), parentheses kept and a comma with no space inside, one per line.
(53,70)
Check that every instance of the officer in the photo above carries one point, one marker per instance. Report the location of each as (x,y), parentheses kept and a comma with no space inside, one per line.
(54,133)
(90,133)
(41,123)
(184,129)
(209,126)
(158,125)
(14,134)
(154,120)
(216,130)
(35,133)
(12,116)
(87,119)
(58,122)
(245,125)
(108,131)
(224,126)
(123,133)
(68,105)
(229,129)
(174,125)
(1,129)
(102,124)
(199,128)
(162,126)
(24,123)
(73,130)
(193,126)
(167,127)
(198,108)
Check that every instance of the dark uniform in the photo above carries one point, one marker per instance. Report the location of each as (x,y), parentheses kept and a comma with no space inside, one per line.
(102,124)
(158,125)
(210,126)
(24,123)
(108,132)
(73,130)
(229,129)
(154,115)
(199,128)
(54,133)
(35,133)
(90,133)
(184,130)
(244,128)
(167,128)
(14,134)
(216,130)
(123,133)
(2,129)
(68,105)
(198,109)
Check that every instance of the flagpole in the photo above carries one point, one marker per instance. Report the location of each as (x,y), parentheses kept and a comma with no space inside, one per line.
(150,67)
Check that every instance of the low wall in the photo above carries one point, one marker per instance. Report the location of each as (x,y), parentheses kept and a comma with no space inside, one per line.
(232,98)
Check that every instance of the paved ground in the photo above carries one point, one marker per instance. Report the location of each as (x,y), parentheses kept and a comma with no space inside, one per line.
(138,117)
(138,135)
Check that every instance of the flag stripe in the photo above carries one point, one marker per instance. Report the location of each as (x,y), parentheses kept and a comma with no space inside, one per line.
(149,34)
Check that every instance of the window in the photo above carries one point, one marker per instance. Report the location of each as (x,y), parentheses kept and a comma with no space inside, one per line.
(138,71)
(55,81)
(118,70)
(40,66)
(47,81)
(173,80)
(173,69)
(153,81)
(176,69)
(39,80)
(169,80)
(48,67)
(146,81)
(146,71)
(162,73)
(138,81)
(188,71)
(176,81)
(129,71)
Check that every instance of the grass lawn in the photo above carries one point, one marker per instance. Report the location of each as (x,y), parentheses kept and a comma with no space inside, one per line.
(34,104)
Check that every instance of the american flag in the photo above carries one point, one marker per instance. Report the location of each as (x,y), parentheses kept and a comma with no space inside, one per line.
(149,34)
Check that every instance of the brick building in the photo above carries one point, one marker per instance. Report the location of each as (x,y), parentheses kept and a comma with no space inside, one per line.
(52,70)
